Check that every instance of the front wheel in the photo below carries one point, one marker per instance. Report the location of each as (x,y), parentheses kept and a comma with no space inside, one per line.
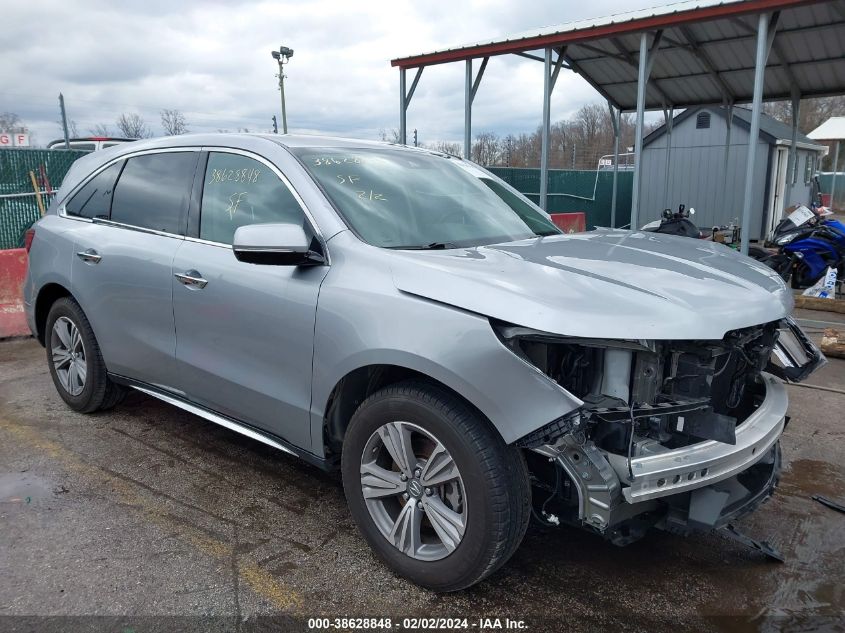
(433,488)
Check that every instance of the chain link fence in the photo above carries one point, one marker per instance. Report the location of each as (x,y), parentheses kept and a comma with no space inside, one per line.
(18,203)
(574,190)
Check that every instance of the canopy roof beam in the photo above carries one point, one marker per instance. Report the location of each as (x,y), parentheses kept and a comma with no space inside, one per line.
(632,61)
(704,59)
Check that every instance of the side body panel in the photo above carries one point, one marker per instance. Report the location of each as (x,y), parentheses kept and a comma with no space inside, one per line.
(245,341)
(362,319)
(49,261)
(127,298)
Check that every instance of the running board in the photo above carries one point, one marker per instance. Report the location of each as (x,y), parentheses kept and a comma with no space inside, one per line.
(222,420)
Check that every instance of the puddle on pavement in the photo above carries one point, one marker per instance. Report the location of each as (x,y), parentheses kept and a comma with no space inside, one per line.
(808,477)
(807,592)
(23,488)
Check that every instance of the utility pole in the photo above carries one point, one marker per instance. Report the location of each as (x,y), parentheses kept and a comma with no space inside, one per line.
(275,125)
(283,56)
(64,119)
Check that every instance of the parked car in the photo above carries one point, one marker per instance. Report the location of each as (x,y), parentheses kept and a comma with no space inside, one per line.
(410,319)
(90,143)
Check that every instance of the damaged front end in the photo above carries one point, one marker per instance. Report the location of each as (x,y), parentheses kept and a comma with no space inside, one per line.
(679,435)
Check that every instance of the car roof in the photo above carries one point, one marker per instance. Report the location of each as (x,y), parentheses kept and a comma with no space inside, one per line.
(235,138)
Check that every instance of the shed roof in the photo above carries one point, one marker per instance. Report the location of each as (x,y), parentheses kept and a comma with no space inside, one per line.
(771,129)
(831,130)
(706,52)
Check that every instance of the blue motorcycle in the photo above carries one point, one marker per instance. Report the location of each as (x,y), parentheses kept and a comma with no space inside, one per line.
(807,245)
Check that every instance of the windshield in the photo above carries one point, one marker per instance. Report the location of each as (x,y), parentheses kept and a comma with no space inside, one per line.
(402,199)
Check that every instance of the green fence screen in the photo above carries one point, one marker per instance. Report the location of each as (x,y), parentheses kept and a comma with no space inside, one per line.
(571,190)
(18,206)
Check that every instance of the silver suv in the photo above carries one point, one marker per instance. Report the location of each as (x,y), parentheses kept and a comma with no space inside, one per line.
(412,320)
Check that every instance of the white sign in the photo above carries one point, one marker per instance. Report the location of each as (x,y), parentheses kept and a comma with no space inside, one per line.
(800,215)
(14,139)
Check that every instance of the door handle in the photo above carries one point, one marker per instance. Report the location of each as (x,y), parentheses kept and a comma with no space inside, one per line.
(89,256)
(191,278)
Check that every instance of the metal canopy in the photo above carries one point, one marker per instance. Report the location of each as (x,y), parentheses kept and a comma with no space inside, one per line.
(698,52)
(705,54)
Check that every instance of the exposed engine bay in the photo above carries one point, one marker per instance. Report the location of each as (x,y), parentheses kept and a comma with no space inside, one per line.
(681,435)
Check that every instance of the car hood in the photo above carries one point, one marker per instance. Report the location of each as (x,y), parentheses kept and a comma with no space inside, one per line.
(605,283)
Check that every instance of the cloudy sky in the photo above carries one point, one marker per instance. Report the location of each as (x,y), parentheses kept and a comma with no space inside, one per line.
(211,60)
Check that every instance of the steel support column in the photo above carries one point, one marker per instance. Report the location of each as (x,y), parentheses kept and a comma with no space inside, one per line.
(470,88)
(468,110)
(546,129)
(835,165)
(727,160)
(642,79)
(403,107)
(792,170)
(763,44)
(405,101)
(616,121)
(669,118)
(549,79)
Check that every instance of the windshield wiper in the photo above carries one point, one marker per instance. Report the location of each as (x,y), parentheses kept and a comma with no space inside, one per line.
(434,246)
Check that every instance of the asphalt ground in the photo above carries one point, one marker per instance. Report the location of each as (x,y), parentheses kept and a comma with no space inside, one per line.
(147,518)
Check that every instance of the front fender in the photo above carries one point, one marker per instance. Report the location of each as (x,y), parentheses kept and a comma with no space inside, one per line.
(376,324)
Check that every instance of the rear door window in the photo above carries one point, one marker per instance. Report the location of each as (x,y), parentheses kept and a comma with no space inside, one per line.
(94,199)
(239,190)
(154,190)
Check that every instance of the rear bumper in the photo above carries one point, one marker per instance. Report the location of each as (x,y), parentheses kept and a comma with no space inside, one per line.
(706,463)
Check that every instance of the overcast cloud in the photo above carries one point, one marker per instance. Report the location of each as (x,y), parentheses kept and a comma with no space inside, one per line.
(211,60)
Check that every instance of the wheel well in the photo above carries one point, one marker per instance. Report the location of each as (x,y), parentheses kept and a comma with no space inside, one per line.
(47,296)
(357,386)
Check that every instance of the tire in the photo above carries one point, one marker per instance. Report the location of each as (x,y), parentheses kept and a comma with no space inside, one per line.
(491,491)
(758,253)
(86,393)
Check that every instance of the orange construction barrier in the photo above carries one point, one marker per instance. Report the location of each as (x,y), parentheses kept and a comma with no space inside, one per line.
(12,273)
(570,222)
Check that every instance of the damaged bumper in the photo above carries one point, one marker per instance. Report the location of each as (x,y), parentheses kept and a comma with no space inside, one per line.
(708,462)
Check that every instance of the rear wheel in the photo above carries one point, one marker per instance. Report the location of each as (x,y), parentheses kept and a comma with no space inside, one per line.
(433,488)
(75,362)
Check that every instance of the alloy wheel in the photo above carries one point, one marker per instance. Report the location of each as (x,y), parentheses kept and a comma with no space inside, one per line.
(413,491)
(68,354)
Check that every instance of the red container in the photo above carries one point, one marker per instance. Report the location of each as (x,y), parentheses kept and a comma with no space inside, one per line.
(570,222)
(825,199)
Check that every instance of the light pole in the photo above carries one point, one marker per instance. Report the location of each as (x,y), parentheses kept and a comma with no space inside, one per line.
(283,56)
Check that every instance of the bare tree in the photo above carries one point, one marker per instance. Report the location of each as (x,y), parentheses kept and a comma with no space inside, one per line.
(485,150)
(10,121)
(173,122)
(811,114)
(101,129)
(445,147)
(133,126)
(391,135)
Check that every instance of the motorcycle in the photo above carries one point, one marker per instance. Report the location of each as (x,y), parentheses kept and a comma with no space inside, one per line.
(808,243)
(677,223)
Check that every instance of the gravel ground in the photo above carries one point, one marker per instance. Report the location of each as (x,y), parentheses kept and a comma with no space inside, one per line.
(161,521)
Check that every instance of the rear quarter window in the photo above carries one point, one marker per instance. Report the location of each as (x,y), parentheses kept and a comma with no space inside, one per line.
(154,190)
(94,199)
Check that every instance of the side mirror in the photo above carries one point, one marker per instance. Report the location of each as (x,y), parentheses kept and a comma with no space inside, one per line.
(275,245)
